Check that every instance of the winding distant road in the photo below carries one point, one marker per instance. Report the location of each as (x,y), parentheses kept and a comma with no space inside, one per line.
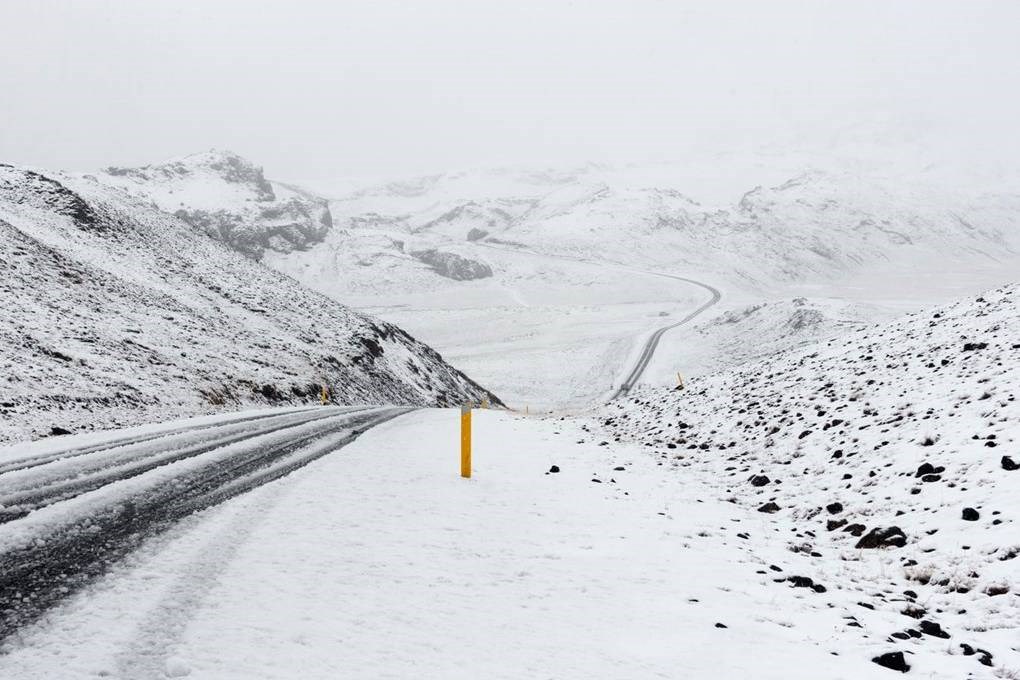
(653,340)
(66,516)
(652,343)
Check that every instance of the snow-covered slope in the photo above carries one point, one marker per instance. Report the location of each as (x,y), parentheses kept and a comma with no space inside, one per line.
(888,461)
(115,313)
(755,331)
(230,199)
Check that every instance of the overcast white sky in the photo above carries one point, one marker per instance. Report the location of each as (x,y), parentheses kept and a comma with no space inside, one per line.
(320,89)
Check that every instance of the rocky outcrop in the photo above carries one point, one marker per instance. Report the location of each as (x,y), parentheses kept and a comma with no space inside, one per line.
(229,198)
(452,265)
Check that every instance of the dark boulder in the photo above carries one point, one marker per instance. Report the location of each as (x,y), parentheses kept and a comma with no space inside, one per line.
(893,661)
(890,537)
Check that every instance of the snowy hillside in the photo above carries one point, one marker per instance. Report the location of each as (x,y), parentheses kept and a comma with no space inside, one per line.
(887,461)
(115,313)
(755,331)
(230,199)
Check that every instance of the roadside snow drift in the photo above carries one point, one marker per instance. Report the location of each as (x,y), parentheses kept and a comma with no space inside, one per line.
(889,459)
(115,313)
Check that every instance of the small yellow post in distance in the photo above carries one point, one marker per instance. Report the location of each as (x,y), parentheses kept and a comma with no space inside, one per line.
(465,440)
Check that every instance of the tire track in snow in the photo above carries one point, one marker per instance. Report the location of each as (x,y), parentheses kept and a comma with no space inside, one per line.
(148,655)
(58,550)
(75,451)
(29,489)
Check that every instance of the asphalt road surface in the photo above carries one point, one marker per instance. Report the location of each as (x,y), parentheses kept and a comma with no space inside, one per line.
(67,516)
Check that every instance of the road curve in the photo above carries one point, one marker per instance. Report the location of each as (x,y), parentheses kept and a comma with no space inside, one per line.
(68,516)
(653,341)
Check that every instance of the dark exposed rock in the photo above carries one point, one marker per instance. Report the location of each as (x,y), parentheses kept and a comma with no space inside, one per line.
(971,346)
(759,480)
(1009,464)
(834,508)
(928,469)
(554,468)
(452,265)
(914,611)
(934,629)
(971,515)
(769,508)
(56,430)
(890,537)
(893,661)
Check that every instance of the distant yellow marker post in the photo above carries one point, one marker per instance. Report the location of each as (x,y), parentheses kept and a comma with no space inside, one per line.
(325,395)
(465,440)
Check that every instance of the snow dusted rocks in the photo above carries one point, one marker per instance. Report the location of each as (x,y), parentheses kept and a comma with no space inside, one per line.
(900,429)
(229,198)
(115,313)
(452,265)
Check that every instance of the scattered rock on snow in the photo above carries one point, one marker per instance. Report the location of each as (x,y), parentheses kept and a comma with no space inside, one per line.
(893,661)
(934,629)
(891,537)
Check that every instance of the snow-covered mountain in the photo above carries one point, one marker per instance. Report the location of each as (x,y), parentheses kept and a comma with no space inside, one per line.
(230,199)
(887,460)
(793,223)
(115,313)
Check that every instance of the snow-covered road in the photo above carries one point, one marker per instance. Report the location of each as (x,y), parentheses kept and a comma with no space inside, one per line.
(68,513)
(383,563)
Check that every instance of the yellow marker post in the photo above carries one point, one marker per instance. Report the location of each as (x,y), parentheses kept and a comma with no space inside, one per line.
(680,380)
(325,395)
(465,440)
